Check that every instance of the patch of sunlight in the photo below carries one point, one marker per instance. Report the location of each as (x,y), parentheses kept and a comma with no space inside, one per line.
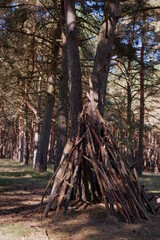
(133,227)
(19,177)
(20,231)
(154,191)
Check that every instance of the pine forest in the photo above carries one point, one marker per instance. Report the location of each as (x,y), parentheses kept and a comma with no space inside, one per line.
(79,119)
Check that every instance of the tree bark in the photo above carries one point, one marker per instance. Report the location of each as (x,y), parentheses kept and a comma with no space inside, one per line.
(74,70)
(15,139)
(20,138)
(37,122)
(104,53)
(26,131)
(141,122)
(51,151)
(26,138)
(2,131)
(129,119)
(41,157)
(62,106)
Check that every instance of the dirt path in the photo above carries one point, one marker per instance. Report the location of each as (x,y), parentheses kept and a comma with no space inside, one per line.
(20,195)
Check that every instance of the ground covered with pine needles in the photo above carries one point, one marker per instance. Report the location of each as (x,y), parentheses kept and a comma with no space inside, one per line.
(21,190)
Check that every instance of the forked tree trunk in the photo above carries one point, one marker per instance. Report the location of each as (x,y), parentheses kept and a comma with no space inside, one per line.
(104,53)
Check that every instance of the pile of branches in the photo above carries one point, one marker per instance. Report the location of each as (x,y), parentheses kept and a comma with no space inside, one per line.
(92,169)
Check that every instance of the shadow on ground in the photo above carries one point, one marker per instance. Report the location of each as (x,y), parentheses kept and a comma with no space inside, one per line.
(20,195)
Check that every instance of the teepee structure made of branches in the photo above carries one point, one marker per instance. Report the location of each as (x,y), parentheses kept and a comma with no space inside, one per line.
(93,169)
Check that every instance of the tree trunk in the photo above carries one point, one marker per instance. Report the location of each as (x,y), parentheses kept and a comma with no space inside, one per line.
(37,122)
(26,133)
(104,53)
(26,138)
(141,122)
(20,139)
(129,119)
(74,70)
(2,130)
(62,106)
(41,157)
(15,139)
(51,145)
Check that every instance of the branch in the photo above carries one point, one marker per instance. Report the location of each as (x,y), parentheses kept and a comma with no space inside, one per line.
(139,10)
(29,34)
(31,107)
(48,10)
(14,6)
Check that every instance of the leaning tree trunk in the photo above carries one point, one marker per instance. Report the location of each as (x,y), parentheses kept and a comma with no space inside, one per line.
(74,70)
(104,53)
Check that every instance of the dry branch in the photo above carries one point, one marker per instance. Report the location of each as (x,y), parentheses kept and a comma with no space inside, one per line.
(93,169)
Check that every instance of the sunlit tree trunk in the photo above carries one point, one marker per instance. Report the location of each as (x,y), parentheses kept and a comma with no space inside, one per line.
(52,144)
(31,140)
(37,122)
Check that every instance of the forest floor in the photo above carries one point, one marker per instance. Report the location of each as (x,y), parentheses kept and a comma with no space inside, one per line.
(20,194)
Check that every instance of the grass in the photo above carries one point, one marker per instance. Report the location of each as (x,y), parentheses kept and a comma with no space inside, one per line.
(22,231)
(151,182)
(13,173)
